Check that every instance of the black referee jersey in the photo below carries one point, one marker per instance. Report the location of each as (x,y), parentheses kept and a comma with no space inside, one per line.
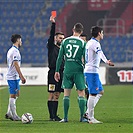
(53,50)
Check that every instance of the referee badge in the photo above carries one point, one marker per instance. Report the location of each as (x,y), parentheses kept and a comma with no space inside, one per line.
(51,87)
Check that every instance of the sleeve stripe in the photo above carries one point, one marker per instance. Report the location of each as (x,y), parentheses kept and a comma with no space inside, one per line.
(97,51)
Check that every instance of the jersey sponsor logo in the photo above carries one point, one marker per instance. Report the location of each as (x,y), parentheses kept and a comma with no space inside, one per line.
(51,87)
(70,59)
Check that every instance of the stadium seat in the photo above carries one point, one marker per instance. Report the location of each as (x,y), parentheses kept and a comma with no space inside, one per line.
(21,17)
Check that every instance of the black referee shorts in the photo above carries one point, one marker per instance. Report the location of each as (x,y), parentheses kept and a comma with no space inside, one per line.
(54,86)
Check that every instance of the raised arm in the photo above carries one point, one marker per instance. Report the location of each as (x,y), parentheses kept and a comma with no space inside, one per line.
(52,33)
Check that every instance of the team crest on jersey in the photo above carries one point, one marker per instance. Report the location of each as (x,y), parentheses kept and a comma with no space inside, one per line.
(51,87)
(15,57)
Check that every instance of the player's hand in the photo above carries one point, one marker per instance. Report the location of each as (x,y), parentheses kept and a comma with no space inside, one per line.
(57,76)
(110,63)
(23,80)
(52,19)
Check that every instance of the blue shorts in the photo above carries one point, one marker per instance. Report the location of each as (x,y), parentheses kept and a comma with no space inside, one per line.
(14,86)
(94,83)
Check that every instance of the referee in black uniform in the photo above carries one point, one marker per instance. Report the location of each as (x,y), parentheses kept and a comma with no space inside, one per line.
(54,88)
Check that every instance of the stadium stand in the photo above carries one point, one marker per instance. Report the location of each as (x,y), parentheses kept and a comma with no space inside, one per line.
(31,20)
(120,10)
(118,49)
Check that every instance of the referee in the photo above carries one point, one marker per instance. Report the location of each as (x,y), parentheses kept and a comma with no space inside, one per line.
(54,88)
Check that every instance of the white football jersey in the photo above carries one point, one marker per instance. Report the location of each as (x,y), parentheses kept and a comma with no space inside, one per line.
(13,54)
(93,56)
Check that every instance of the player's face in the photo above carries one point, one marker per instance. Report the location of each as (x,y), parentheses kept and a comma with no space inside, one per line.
(19,42)
(101,34)
(59,38)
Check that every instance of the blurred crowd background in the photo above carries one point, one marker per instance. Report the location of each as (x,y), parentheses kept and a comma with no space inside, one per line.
(30,18)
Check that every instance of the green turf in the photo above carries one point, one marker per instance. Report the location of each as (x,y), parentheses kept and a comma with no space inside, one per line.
(115,109)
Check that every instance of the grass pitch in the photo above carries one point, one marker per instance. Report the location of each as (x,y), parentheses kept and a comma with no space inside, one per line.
(115,109)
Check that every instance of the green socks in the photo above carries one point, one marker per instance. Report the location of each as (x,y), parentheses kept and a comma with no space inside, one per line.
(81,102)
(66,106)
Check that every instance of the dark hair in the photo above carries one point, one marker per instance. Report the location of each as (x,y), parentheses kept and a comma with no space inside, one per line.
(83,35)
(78,27)
(14,37)
(95,30)
(59,33)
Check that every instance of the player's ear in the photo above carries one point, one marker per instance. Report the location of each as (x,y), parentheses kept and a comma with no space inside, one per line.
(17,40)
(73,30)
(99,33)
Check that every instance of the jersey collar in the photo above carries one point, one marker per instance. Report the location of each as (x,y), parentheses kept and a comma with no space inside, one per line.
(95,39)
(14,47)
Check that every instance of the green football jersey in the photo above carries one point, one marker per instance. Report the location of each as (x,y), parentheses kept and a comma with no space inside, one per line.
(72,50)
